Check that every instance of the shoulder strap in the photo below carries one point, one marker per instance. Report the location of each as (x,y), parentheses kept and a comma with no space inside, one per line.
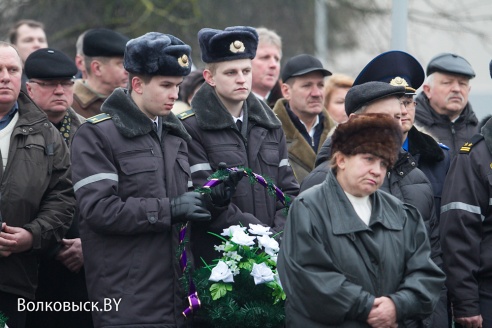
(99,118)
(467,147)
(186,114)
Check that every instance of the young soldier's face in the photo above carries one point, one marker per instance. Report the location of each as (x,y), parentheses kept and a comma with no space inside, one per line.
(232,80)
(158,96)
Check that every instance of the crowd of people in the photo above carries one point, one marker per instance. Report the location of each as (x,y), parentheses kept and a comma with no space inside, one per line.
(102,155)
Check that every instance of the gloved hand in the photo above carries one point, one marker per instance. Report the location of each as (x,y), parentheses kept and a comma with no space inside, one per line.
(221,194)
(190,206)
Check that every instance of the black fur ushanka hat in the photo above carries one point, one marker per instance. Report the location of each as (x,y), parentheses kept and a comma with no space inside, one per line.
(157,54)
(377,134)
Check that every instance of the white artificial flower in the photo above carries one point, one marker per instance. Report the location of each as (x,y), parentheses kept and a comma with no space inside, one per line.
(221,272)
(273,258)
(219,248)
(234,255)
(271,245)
(258,229)
(230,231)
(262,273)
(241,238)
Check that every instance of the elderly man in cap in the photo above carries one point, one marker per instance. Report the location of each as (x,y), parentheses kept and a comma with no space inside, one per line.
(442,107)
(305,121)
(132,182)
(103,51)
(37,200)
(229,124)
(61,275)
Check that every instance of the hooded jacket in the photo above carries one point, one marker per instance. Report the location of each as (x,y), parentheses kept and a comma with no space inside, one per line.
(332,266)
(36,192)
(452,134)
(301,154)
(466,224)
(215,139)
(124,174)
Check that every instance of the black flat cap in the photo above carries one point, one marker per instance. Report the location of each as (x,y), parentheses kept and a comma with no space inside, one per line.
(450,63)
(237,42)
(102,42)
(301,65)
(157,54)
(366,93)
(395,67)
(48,64)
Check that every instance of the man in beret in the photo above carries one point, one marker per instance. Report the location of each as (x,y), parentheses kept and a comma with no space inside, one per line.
(37,200)
(305,121)
(132,182)
(229,124)
(442,107)
(50,76)
(103,51)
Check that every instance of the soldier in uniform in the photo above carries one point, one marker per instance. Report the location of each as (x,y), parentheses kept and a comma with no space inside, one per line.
(61,273)
(103,51)
(132,182)
(466,231)
(229,124)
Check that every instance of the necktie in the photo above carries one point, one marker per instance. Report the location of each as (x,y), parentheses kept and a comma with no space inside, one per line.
(239,125)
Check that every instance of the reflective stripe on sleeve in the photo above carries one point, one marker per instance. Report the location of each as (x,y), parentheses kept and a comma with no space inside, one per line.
(95,178)
(464,207)
(284,162)
(200,167)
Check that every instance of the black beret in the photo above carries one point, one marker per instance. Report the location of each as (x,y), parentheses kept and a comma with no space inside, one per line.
(450,63)
(302,64)
(377,134)
(394,67)
(49,63)
(237,42)
(366,93)
(158,54)
(102,42)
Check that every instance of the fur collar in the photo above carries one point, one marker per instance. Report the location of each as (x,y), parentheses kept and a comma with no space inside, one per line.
(132,122)
(211,114)
(84,94)
(424,145)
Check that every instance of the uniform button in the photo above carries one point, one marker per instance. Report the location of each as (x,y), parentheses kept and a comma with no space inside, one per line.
(152,219)
(401,173)
(31,129)
(413,163)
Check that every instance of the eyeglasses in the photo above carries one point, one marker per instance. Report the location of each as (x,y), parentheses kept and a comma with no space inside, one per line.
(54,84)
(408,103)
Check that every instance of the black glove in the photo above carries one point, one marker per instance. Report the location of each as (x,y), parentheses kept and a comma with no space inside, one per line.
(190,206)
(221,194)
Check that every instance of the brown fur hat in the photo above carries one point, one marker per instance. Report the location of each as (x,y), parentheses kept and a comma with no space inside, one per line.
(377,134)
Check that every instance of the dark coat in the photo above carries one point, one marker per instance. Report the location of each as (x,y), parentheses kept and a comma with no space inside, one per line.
(332,265)
(433,159)
(86,102)
(124,176)
(452,134)
(301,154)
(466,225)
(36,194)
(56,281)
(215,139)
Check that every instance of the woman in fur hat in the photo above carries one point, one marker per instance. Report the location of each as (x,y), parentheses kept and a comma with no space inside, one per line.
(354,256)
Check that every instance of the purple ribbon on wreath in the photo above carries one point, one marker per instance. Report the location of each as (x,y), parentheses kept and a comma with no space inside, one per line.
(214,180)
